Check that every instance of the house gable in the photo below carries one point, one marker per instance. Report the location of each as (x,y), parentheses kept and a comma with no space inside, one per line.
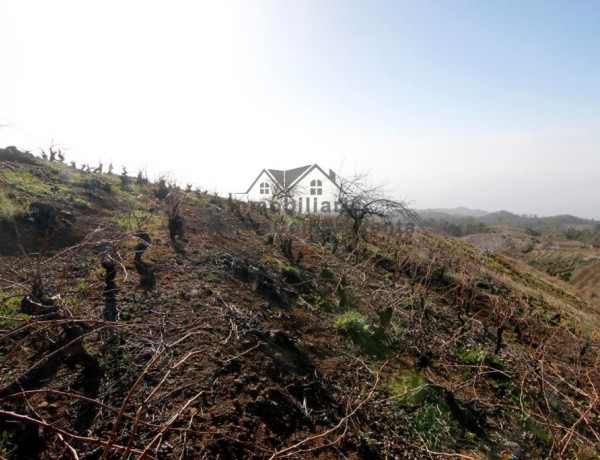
(264,172)
(309,189)
(308,171)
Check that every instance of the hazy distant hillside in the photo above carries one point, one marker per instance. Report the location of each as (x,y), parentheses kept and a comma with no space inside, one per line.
(455,222)
(440,218)
(461,211)
(532,220)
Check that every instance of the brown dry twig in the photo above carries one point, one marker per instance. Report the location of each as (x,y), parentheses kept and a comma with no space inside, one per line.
(70,436)
(291,450)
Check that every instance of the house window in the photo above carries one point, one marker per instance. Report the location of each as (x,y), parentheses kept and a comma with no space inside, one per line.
(264,188)
(316,187)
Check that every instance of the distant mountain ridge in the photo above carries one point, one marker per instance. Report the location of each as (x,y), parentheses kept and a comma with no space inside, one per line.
(502,216)
(509,217)
(459,211)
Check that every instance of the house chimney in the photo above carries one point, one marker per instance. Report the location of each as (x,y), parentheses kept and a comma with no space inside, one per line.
(332,175)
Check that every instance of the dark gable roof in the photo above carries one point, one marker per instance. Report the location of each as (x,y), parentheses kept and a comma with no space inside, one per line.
(278,175)
(289,177)
(308,170)
(292,174)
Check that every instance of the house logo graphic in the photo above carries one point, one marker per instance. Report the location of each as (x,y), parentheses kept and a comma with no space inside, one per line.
(308,189)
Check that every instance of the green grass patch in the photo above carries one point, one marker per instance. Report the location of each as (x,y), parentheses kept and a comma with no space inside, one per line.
(10,311)
(26,182)
(9,209)
(29,187)
(140,218)
(352,322)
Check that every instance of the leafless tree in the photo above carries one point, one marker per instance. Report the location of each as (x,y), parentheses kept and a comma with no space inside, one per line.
(360,201)
(283,194)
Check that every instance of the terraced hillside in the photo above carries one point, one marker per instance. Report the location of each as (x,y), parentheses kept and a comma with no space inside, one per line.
(573,262)
(580,266)
(139,320)
(587,277)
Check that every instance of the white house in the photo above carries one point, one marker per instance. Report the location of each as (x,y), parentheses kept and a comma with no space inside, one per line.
(307,189)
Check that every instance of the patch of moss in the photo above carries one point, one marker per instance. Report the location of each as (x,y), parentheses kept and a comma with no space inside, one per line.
(327,274)
(292,274)
(480,357)
(510,392)
(408,387)
(359,329)
(435,423)
(328,305)
(274,263)
(383,259)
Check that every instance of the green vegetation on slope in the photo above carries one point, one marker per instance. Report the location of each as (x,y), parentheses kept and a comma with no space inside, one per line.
(183,325)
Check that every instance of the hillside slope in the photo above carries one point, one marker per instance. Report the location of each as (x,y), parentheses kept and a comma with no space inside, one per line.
(142,321)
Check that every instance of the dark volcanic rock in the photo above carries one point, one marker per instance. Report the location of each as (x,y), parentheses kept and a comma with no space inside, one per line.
(47,216)
(12,153)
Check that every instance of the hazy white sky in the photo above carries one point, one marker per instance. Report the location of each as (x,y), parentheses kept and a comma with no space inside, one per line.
(485,104)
